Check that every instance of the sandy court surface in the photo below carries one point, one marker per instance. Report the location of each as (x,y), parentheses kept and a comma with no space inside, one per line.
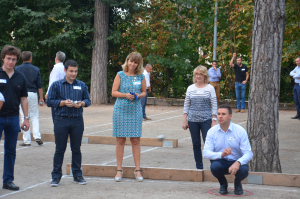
(34,164)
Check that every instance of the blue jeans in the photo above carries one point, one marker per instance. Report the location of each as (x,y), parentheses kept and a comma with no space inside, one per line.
(144,103)
(219,168)
(53,114)
(240,92)
(11,128)
(64,126)
(296,92)
(195,128)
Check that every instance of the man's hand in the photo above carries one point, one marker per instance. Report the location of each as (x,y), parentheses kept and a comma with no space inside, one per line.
(149,90)
(26,123)
(234,168)
(226,152)
(46,97)
(234,55)
(78,105)
(68,103)
(41,100)
(244,82)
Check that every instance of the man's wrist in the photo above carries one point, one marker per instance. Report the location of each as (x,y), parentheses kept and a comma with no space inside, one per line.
(27,117)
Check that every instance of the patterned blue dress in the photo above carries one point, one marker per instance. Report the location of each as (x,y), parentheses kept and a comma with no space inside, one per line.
(127,114)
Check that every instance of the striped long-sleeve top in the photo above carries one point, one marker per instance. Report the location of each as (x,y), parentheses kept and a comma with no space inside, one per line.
(200,103)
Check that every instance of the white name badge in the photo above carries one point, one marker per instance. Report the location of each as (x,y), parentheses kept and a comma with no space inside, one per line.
(136,83)
(243,69)
(231,138)
(77,87)
(3,81)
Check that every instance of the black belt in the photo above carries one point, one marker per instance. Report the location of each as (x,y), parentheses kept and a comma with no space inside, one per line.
(238,82)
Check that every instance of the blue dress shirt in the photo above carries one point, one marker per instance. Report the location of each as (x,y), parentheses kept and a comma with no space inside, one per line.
(63,90)
(235,138)
(214,75)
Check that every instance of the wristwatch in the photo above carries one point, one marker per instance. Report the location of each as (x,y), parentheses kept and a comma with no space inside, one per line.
(215,119)
(27,117)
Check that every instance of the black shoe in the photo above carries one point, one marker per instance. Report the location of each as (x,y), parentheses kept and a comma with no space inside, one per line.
(296,117)
(23,144)
(10,186)
(79,180)
(39,141)
(223,189)
(238,189)
(55,182)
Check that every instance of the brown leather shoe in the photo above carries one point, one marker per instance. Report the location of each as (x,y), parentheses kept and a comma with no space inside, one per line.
(146,118)
(23,144)
(237,110)
(243,110)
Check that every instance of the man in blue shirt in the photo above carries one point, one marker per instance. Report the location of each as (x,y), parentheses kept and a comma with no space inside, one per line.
(214,74)
(68,96)
(296,91)
(228,148)
(34,87)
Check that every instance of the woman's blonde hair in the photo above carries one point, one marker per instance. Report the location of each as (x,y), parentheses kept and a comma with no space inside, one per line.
(203,70)
(134,56)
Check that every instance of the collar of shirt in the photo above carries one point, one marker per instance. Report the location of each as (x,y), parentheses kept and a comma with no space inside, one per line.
(59,65)
(229,128)
(65,81)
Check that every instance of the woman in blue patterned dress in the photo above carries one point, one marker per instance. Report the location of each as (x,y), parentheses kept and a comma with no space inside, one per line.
(127,114)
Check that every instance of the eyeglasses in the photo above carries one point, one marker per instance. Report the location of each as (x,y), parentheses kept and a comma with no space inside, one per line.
(197,74)
(9,59)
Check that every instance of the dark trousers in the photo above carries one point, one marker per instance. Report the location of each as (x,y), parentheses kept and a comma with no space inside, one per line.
(63,127)
(219,168)
(11,128)
(296,92)
(195,128)
(144,103)
(53,113)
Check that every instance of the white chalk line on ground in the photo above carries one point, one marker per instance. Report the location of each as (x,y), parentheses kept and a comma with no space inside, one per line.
(33,186)
(27,147)
(144,123)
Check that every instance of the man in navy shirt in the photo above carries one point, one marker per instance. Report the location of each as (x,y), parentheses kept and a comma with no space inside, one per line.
(68,96)
(34,85)
(241,78)
(13,88)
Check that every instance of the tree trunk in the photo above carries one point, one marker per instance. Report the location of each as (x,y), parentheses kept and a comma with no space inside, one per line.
(100,54)
(263,116)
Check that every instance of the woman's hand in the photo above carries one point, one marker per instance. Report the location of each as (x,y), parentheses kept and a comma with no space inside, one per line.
(213,123)
(129,96)
(185,125)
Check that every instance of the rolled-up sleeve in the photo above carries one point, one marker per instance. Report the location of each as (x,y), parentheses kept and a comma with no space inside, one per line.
(52,97)
(86,96)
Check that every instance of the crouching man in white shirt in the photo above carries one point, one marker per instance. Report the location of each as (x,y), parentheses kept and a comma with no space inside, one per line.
(228,148)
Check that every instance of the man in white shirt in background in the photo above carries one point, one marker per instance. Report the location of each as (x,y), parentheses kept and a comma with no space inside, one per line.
(147,71)
(56,74)
(296,75)
(228,148)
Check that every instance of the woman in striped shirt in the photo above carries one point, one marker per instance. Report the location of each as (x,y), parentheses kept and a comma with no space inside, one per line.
(200,110)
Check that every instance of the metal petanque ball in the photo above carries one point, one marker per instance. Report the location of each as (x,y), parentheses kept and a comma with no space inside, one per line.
(41,103)
(24,128)
(161,137)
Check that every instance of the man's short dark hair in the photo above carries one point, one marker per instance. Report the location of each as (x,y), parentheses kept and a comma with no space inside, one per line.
(10,50)
(26,55)
(215,61)
(239,58)
(61,56)
(227,107)
(71,63)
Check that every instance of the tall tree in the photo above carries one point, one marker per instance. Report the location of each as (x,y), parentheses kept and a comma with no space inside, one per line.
(263,116)
(100,54)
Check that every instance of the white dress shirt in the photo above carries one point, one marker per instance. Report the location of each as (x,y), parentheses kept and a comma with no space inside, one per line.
(147,77)
(235,138)
(57,73)
(296,74)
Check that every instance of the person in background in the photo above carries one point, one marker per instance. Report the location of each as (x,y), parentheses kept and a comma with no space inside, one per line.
(2,100)
(200,110)
(214,74)
(296,91)
(56,74)
(147,71)
(129,86)
(34,87)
